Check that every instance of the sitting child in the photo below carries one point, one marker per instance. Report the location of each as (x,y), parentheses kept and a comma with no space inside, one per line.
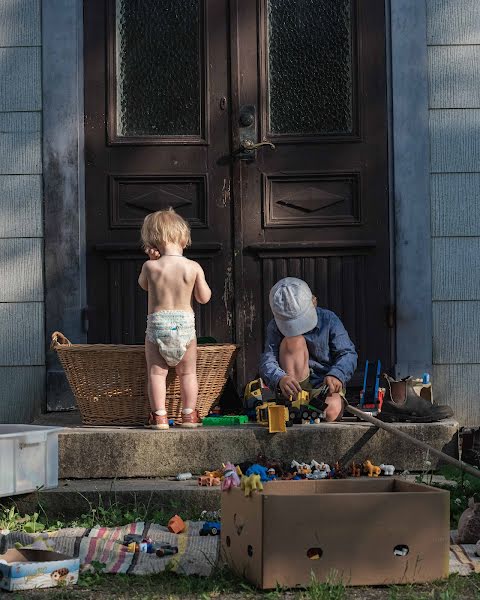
(306,346)
(172,280)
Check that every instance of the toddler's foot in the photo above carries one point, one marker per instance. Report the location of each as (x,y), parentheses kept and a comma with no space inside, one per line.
(191,420)
(157,421)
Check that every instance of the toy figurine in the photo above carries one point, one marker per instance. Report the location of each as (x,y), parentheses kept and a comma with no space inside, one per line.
(387,469)
(338,472)
(207,480)
(230,477)
(317,474)
(183,476)
(271,474)
(355,470)
(176,525)
(370,469)
(257,469)
(251,483)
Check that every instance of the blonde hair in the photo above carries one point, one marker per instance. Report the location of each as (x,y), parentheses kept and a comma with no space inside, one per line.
(165,227)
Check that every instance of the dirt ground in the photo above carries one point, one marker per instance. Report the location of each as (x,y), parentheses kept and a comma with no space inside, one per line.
(171,587)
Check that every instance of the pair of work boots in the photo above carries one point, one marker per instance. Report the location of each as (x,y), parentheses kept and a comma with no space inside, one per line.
(402,404)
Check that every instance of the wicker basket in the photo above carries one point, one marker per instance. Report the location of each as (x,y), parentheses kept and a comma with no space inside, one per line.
(109,381)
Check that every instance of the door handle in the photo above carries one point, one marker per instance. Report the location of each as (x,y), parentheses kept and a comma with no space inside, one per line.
(248,145)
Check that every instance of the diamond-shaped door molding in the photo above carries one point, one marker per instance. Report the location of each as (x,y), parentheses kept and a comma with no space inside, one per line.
(134,197)
(311,201)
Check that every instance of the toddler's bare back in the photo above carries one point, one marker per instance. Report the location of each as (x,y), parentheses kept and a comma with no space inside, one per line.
(171,281)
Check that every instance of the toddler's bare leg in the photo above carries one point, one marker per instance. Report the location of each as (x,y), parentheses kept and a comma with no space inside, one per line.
(187,375)
(334,410)
(157,370)
(293,357)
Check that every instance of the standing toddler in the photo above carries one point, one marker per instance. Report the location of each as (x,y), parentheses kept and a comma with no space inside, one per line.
(171,280)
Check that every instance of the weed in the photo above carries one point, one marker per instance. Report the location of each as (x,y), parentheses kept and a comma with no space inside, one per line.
(11,520)
(332,589)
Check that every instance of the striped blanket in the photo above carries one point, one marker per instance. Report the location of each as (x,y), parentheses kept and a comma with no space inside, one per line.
(197,555)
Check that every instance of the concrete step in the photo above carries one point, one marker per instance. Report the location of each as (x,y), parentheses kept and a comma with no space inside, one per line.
(129,452)
(74,498)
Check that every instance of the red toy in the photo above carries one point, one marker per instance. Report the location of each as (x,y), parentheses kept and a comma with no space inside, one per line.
(176,525)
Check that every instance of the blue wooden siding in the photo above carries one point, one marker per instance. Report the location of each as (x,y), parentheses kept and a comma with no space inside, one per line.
(453,40)
(22,341)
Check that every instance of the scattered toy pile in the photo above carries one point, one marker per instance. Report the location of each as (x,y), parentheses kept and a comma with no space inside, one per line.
(251,476)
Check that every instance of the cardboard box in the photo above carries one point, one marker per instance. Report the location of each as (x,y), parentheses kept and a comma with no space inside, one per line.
(28,569)
(361,531)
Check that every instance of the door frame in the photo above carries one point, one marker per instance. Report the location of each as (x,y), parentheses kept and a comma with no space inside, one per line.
(64,193)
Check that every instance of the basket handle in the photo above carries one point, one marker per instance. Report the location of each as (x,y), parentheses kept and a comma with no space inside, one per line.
(59,340)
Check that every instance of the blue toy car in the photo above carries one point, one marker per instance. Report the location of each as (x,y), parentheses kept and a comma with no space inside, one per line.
(211,528)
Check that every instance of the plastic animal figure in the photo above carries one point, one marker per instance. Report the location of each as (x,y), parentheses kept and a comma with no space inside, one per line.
(251,483)
(317,474)
(216,473)
(208,481)
(230,477)
(314,465)
(355,470)
(387,469)
(257,469)
(371,470)
(338,471)
(304,469)
(295,465)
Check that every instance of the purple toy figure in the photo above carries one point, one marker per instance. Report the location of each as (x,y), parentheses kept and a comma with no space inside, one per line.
(230,477)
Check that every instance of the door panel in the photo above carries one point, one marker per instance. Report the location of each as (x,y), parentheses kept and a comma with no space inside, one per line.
(157,135)
(172,90)
(316,206)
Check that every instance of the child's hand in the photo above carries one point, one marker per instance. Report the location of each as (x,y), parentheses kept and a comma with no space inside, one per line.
(289,386)
(153,253)
(335,386)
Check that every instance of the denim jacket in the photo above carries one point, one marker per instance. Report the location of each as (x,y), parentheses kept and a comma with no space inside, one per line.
(331,352)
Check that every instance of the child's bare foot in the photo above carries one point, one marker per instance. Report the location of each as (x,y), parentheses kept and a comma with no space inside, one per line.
(157,421)
(191,420)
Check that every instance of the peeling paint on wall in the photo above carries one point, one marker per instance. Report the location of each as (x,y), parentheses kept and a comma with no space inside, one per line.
(228,294)
(249,311)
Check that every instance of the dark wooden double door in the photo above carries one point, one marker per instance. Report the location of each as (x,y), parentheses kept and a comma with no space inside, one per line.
(174,89)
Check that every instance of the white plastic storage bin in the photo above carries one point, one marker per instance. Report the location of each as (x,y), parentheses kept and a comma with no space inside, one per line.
(28,458)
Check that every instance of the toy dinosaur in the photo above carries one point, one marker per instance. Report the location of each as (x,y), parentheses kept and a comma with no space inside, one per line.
(251,483)
(371,470)
(230,477)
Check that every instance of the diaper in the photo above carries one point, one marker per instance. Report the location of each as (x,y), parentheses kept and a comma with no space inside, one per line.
(172,331)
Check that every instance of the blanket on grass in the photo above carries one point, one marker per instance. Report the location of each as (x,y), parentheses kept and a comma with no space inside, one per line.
(197,555)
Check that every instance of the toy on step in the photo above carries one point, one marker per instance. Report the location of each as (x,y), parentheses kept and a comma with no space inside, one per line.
(371,395)
(387,469)
(224,420)
(257,470)
(303,409)
(208,480)
(176,525)
(355,470)
(250,484)
(256,393)
(274,416)
(271,474)
(183,476)
(230,477)
(337,471)
(319,470)
(370,469)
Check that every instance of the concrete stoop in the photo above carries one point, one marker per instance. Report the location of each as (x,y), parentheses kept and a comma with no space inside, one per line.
(121,452)
(130,466)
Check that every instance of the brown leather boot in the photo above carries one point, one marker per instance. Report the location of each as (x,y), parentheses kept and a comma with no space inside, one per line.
(402,405)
